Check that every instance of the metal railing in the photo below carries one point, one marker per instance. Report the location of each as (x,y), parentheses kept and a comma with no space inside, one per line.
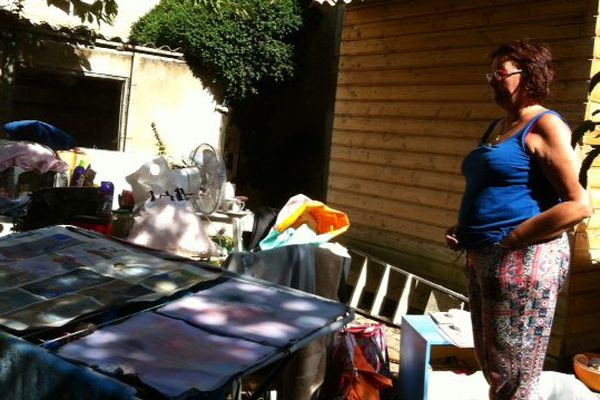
(390,272)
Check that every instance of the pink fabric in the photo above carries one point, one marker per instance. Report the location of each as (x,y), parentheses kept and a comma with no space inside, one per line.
(171,226)
(31,157)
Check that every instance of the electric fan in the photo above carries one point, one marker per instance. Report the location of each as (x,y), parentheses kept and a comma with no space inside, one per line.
(207,182)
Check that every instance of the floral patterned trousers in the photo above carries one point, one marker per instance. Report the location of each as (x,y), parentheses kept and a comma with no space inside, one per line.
(512,296)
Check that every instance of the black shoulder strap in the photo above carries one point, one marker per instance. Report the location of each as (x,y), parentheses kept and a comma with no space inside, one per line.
(489,130)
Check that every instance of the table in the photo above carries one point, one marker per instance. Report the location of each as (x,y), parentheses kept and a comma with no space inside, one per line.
(201,343)
(219,223)
(224,223)
(420,341)
(199,340)
(229,224)
(310,269)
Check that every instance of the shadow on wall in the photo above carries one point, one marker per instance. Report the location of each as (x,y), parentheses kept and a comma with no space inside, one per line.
(586,127)
(24,46)
(283,132)
(208,81)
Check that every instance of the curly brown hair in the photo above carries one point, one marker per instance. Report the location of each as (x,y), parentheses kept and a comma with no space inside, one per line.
(535,59)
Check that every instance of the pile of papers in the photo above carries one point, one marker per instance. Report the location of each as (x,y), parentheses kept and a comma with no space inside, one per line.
(455,326)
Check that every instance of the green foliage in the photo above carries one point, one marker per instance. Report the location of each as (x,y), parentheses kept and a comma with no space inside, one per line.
(160,145)
(225,242)
(242,43)
(98,10)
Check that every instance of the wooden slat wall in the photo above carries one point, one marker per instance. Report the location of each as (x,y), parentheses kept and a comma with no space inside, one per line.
(582,315)
(411,101)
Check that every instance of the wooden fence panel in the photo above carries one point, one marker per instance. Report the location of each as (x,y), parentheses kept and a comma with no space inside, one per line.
(411,102)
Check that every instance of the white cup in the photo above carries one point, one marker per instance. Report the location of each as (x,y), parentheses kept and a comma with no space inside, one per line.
(233,205)
(229,191)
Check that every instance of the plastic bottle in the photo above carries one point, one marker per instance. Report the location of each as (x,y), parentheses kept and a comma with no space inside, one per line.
(88,176)
(78,174)
(61,179)
(107,190)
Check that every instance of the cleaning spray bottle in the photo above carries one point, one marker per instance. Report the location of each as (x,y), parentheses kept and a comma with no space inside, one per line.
(78,174)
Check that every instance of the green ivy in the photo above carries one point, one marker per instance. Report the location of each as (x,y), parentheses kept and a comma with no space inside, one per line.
(242,43)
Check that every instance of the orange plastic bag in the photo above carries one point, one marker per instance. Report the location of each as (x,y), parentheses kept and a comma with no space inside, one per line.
(365,382)
(358,368)
(322,219)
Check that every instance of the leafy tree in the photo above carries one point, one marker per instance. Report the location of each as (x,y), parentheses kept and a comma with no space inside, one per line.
(100,10)
(241,43)
(86,10)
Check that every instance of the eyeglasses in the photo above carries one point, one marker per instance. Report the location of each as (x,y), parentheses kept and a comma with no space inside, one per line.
(500,74)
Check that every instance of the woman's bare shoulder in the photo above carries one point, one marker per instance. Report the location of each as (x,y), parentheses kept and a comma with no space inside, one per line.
(549,131)
(551,123)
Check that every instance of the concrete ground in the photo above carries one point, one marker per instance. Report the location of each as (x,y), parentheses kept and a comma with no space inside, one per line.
(448,386)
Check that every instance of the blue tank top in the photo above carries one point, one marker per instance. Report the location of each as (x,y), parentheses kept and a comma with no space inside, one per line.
(504,187)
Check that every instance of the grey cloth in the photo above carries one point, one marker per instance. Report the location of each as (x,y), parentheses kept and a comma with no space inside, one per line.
(313,270)
(28,372)
(292,266)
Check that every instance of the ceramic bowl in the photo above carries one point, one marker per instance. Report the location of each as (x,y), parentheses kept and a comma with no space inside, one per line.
(588,375)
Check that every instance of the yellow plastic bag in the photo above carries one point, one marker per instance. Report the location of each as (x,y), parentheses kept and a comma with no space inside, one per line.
(323,220)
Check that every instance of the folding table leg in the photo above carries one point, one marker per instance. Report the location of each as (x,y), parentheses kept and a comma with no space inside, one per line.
(236,390)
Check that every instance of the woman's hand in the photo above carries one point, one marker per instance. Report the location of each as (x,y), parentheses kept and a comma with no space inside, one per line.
(452,240)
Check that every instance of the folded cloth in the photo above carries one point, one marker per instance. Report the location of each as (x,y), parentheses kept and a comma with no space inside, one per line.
(39,132)
(14,207)
(456,326)
(30,157)
(28,372)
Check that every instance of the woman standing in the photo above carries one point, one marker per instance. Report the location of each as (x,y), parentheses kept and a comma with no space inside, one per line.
(522,194)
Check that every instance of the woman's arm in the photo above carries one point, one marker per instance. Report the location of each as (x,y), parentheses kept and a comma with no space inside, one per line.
(549,144)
